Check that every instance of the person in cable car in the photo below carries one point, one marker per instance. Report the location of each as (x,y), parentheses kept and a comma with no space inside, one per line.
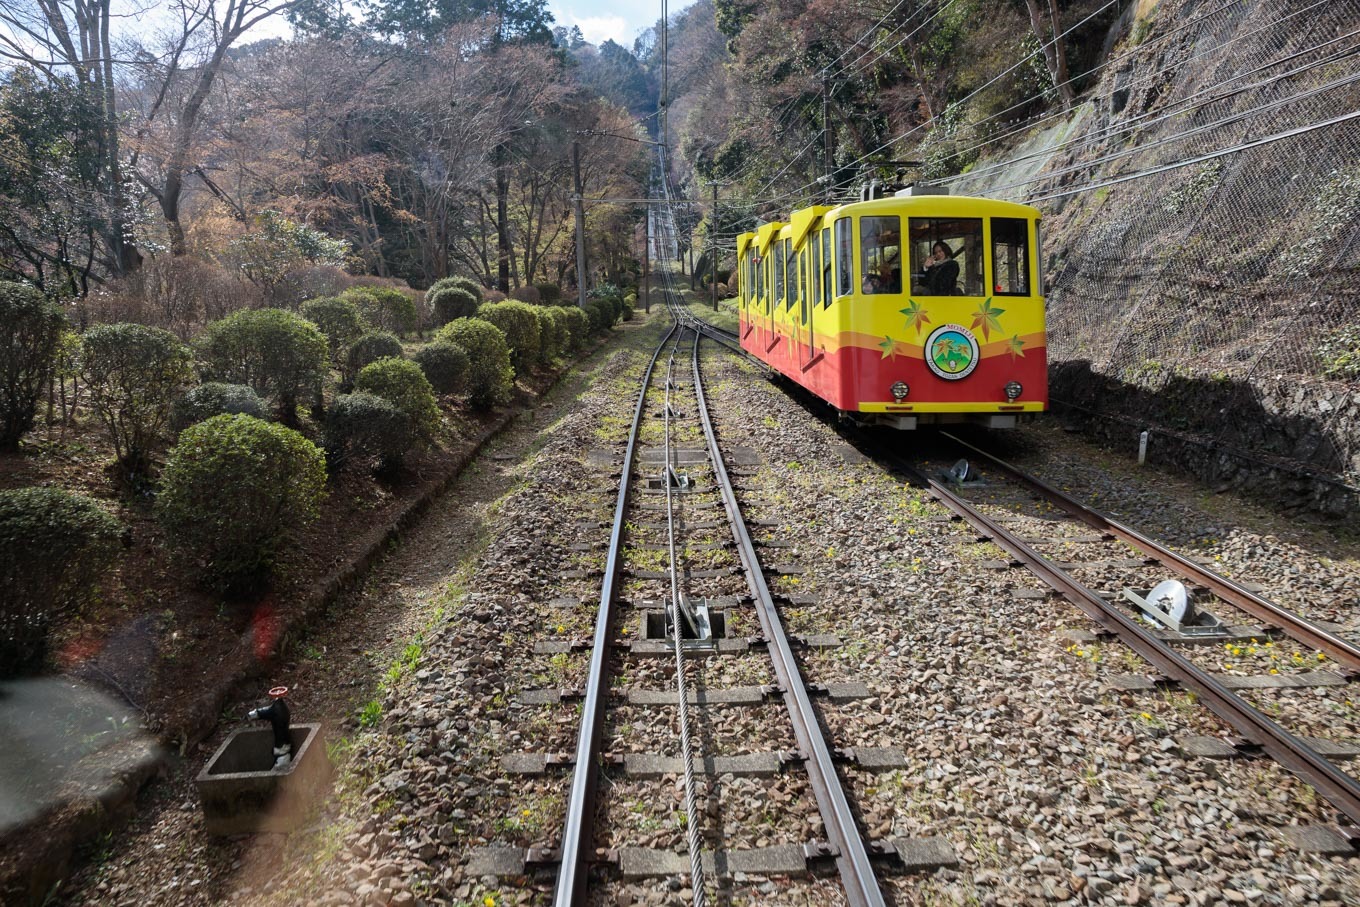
(940,272)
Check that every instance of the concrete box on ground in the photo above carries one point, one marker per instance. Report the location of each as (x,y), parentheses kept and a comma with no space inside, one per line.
(241,791)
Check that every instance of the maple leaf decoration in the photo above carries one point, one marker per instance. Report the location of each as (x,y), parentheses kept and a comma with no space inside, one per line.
(889,348)
(1017,347)
(987,318)
(916,316)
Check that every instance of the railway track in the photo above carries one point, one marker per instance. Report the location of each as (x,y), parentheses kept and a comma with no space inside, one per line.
(1257,733)
(684,490)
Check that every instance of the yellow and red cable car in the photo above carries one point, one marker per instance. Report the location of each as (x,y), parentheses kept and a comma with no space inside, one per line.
(902,311)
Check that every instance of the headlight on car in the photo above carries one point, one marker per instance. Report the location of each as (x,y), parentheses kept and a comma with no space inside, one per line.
(900,391)
(1013,390)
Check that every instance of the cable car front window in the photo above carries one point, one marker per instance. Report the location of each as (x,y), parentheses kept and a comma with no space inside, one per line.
(880,242)
(946,256)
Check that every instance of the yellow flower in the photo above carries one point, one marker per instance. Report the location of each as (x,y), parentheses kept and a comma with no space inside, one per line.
(561,628)
(1321,657)
(1145,716)
(1081,653)
(489,901)
(528,812)
(1227,667)
(1274,670)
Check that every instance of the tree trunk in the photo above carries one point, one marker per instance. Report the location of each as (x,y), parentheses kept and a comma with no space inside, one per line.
(1055,55)
(502,222)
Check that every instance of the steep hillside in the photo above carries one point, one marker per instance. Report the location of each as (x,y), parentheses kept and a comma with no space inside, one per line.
(1201,241)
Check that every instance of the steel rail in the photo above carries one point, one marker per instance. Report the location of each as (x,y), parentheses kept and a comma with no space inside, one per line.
(1337,787)
(578,832)
(1340,650)
(851,855)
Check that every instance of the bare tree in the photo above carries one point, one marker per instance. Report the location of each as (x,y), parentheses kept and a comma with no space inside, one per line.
(1055,53)
(177,87)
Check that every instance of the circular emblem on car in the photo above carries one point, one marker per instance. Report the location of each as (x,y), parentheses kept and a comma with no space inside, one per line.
(951,351)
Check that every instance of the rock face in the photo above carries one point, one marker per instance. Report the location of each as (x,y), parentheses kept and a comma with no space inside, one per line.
(1200,242)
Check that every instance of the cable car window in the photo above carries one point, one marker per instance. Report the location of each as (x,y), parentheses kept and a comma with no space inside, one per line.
(804,291)
(826,267)
(946,256)
(795,278)
(1010,256)
(844,255)
(777,263)
(880,243)
(814,251)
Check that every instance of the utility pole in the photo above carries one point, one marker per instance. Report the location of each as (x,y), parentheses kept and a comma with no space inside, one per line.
(580,226)
(713,248)
(647,262)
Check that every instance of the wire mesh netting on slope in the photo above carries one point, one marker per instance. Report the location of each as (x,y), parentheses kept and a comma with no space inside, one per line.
(1201,234)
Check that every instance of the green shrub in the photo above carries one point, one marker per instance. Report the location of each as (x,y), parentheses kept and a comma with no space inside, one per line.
(30,327)
(133,374)
(577,324)
(601,315)
(369,348)
(627,311)
(445,366)
(490,375)
(234,491)
(384,308)
(520,324)
(548,293)
(402,384)
(365,426)
(215,399)
(466,283)
(54,548)
(282,356)
(339,320)
(552,333)
(452,302)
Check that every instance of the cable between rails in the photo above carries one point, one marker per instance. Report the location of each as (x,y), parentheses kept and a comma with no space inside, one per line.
(696,865)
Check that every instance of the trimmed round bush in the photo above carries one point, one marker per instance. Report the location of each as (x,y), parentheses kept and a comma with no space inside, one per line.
(339,320)
(552,333)
(280,355)
(466,283)
(365,426)
(490,375)
(30,327)
(234,492)
(528,294)
(450,302)
(134,374)
(445,366)
(402,383)
(54,548)
(520,324)
(370,348)
(601,315)
(548,293)
(384,308)
(215,399)
(577,324)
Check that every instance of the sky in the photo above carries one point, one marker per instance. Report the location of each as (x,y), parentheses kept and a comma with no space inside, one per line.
(617,20)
